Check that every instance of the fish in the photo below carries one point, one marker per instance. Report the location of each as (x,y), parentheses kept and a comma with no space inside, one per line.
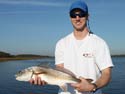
(53,76)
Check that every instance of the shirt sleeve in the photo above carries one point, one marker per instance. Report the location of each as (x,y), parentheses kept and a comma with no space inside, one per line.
(59,52)
(103,57)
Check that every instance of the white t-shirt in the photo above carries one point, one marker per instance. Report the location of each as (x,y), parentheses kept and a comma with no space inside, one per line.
(85,58)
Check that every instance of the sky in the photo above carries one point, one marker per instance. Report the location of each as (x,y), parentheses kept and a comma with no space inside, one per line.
(35,26)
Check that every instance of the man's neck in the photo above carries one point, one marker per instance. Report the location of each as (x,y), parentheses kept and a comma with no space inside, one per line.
(79,35)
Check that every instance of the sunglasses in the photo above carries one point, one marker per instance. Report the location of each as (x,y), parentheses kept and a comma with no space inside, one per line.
(80,14)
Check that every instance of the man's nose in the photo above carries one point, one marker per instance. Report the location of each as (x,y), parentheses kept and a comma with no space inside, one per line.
(77,17)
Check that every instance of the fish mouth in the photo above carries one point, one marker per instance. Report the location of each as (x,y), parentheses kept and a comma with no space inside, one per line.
(16,75)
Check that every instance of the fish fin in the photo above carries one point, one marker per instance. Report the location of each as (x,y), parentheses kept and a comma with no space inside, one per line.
(63,87)
(45,64)
(65,71)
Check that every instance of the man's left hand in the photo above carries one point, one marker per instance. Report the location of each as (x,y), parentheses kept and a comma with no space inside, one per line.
(84,85)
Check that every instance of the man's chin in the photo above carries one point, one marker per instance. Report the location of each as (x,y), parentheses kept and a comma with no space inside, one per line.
(79,29)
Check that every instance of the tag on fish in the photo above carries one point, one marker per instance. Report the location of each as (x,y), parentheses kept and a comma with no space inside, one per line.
(53,76)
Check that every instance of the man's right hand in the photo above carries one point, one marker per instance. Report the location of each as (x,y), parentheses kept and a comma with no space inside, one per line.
(37,81)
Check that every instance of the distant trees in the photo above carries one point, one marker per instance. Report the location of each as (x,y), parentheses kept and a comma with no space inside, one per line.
(4,54)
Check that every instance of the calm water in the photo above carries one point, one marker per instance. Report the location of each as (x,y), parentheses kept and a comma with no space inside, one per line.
(8,84)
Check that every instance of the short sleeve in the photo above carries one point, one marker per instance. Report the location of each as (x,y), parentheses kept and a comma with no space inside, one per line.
(59,52)
(102,56)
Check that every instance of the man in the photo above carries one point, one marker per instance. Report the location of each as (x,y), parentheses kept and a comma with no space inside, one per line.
(84,53)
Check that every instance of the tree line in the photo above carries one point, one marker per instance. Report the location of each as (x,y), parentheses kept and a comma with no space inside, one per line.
(5,54)
(8,55)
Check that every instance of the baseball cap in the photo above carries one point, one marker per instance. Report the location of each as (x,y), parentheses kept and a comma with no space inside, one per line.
(79,4)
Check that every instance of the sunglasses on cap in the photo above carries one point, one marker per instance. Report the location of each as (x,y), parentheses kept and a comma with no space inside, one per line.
(80,14)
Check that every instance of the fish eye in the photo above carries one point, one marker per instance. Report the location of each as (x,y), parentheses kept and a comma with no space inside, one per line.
(19,71)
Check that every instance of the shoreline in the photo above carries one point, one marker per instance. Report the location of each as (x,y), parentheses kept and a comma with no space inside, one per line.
(4,59)
(4,56)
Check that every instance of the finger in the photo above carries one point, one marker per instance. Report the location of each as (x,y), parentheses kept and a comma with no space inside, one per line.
(39,81)
(44,82)
(36,80)
(31,81)
(82,79)
(75,85)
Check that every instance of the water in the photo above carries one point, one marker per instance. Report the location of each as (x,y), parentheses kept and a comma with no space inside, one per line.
(8,84)
(117,85)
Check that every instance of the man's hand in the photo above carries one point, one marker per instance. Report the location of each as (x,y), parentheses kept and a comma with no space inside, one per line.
(84,85)
(37,81)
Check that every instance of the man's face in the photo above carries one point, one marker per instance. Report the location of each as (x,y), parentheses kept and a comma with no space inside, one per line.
(79,20)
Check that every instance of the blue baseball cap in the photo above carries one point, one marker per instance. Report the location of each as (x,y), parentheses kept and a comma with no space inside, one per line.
(79,4)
